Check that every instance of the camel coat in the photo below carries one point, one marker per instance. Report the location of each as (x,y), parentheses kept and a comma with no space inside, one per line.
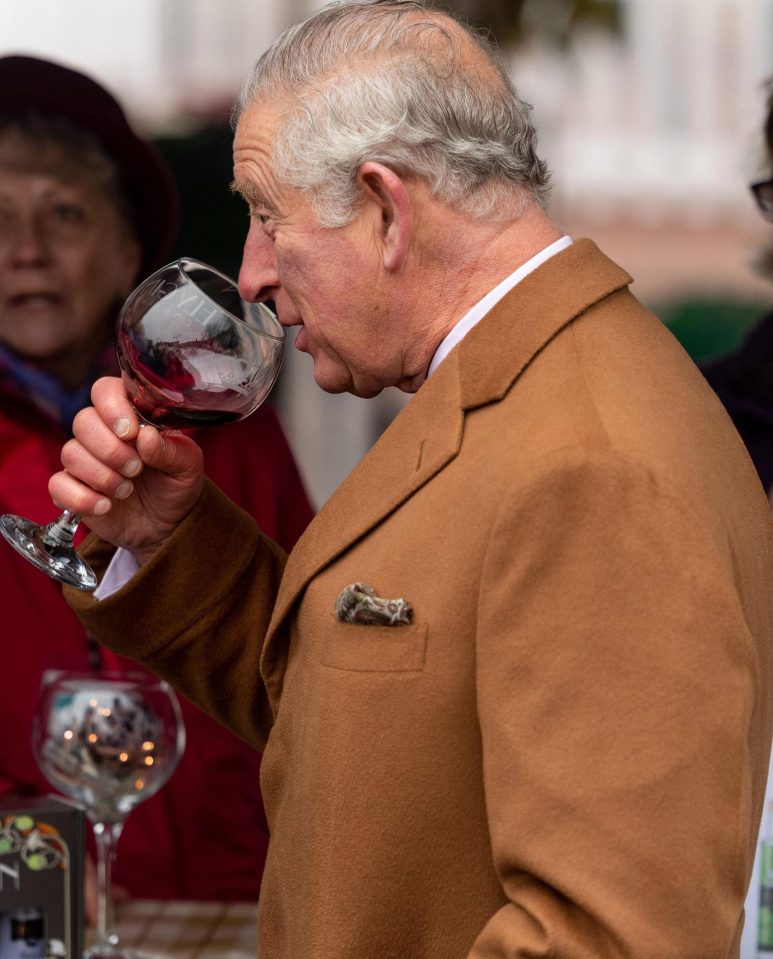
(565,753)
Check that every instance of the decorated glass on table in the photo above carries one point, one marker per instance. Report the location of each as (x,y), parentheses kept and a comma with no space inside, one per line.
(109,741)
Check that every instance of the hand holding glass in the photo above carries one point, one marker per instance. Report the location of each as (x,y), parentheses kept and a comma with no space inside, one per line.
(192,352)
(108,741)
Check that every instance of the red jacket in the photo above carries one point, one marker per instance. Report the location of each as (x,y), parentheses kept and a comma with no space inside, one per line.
(204,835)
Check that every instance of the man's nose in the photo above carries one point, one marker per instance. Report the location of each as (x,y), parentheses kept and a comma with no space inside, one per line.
(258,276)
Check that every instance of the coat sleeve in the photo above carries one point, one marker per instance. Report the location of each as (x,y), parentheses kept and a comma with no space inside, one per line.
(197,613)
(620,708)
(253,464)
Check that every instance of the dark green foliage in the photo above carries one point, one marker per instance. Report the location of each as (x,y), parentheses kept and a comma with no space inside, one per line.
(708,329)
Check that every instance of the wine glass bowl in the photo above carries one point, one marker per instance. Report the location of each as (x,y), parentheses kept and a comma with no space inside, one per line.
(109,741)
(192,353)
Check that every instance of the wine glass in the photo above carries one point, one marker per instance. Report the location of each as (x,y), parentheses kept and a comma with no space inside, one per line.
(108,740)
(192,352)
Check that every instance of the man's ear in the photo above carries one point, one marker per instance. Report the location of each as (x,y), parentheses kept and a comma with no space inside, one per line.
(388,191)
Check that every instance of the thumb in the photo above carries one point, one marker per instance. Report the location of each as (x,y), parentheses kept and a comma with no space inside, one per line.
(170,452)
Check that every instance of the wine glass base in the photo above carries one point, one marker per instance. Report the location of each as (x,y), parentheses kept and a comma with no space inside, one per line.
(61,563)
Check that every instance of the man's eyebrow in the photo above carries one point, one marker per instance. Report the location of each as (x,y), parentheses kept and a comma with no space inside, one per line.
(250,194)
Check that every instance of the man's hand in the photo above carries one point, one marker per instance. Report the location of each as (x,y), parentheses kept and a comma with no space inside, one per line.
(131,484)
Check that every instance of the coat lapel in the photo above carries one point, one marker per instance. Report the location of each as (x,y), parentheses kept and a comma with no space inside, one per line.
(418,443)
(427,433)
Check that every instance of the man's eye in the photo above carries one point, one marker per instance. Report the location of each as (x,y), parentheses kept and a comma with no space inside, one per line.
(266,221)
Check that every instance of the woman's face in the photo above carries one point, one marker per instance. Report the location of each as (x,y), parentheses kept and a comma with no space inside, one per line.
(66,257)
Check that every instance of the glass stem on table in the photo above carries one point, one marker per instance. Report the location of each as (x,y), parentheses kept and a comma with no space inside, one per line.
(106,835)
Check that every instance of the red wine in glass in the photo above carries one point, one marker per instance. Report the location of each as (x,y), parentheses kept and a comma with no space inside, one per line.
(165,407)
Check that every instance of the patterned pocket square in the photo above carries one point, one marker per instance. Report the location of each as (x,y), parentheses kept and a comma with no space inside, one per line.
(359,603)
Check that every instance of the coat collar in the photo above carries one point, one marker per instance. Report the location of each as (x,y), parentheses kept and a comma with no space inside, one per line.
(427,433)
(496,351)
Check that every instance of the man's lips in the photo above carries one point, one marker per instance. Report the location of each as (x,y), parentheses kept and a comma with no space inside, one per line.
(302,339)
(289,320)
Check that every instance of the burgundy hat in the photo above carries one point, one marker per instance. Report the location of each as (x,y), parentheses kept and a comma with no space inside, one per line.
(27,83)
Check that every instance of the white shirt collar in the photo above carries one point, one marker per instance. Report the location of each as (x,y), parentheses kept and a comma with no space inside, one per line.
(482,307)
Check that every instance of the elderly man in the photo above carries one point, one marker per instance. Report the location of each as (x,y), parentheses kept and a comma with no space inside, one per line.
(513,682)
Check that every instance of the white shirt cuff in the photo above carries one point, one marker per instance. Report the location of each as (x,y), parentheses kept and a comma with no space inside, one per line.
(118,573)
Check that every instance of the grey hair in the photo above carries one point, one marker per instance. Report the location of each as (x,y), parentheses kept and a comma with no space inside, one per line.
(393,82)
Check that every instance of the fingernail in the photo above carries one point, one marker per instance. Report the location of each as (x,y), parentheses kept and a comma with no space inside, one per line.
(101,507)
(124,490)
(132,467)
(121,427)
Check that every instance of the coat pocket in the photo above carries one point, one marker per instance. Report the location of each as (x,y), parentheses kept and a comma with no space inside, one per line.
(375,649)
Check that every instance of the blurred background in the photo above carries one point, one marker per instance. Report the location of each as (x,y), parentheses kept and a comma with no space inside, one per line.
(649,114)
(649,111)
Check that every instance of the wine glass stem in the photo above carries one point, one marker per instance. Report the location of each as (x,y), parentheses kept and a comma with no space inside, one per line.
(106,835)
(62,530)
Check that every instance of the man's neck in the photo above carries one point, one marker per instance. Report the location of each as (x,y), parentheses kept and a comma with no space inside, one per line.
(463,261)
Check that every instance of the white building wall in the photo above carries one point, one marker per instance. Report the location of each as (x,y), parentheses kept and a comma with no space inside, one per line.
(664,120)
(118,42)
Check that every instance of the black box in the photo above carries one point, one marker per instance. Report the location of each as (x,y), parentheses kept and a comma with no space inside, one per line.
(41,878)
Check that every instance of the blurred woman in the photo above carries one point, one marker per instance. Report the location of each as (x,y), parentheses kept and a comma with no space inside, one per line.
(86,209)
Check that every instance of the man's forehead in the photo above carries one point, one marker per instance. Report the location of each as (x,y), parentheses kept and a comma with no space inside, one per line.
(252,150)
(259,118)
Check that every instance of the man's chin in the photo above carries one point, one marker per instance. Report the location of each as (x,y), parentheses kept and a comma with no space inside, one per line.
(365,393)
(332,383)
